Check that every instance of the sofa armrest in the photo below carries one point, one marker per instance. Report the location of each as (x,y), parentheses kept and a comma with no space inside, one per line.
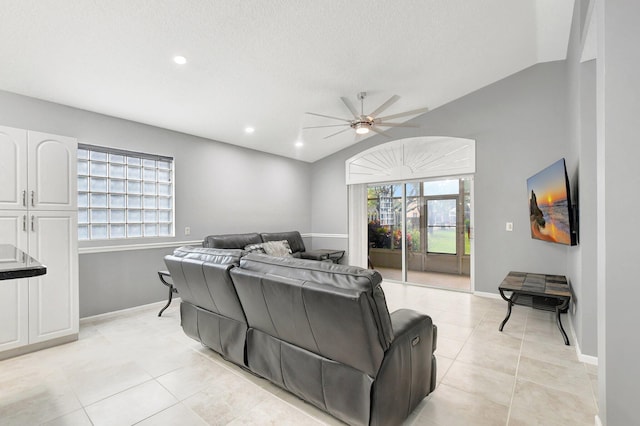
(403,321)
(408,370)
(314,255)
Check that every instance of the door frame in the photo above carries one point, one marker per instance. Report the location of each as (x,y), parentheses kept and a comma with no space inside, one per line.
(402,160)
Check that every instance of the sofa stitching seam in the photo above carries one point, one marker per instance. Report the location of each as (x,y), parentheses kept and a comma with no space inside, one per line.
(306,314)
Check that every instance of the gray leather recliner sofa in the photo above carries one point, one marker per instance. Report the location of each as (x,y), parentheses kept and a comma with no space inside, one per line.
(322,331)
(210,311)
(239,241)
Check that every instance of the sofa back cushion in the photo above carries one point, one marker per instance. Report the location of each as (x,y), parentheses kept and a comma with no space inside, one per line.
(335,311)
(293,237)
(232,241)
(211,255)
(201,276)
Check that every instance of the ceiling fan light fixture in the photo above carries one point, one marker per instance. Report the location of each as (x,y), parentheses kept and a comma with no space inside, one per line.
(361,129)
(364,123)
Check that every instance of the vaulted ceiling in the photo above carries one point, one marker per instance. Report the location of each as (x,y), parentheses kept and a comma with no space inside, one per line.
(264,63)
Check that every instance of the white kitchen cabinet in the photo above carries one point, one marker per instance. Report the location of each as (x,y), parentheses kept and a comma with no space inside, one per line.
(38,215)
(37,170)
(13,168)
(14,294)
(52,172)
(53,297)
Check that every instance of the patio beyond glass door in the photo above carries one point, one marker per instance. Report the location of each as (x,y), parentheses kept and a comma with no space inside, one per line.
(419,232)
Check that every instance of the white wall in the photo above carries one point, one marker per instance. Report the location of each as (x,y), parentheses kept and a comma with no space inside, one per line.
(220,188)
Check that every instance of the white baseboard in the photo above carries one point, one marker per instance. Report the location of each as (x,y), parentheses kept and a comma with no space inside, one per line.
(487,294)
(587,359)
(132,309)
(598,421)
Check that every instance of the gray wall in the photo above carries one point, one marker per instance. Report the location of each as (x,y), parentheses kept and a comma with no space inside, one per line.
(581,161)
(586,288)
(219,188)
(519,125)
(619,138)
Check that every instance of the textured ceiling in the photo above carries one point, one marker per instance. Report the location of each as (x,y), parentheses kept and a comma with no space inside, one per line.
(264,63)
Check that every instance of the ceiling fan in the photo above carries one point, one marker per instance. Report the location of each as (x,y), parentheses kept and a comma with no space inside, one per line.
(363,123)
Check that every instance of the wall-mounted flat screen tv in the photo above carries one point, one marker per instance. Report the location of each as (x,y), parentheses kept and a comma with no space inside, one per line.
(550,209)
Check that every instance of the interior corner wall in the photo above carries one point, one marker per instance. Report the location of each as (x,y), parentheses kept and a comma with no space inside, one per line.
(582,171)
(587,216)
(519,125)
(219,188)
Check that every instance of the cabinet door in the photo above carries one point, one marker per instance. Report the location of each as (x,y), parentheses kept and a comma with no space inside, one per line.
(14,294)
(53,297)
(52,172)
(13,168)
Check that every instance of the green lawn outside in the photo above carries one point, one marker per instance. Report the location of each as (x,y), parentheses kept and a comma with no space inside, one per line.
(444,241)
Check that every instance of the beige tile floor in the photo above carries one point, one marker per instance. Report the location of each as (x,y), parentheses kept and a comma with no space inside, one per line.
(132,367)
(432,279)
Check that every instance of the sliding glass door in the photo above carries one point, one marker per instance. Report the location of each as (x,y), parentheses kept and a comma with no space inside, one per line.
(419,232)
(385,224)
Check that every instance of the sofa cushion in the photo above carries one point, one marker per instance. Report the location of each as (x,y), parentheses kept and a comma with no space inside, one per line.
(293,238)
(232,241)
(204,281)
(211,255)
(277,248)
(340,277)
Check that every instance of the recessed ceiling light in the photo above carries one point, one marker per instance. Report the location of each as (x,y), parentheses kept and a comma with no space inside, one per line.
(249,130)
(180,60)
(299,144)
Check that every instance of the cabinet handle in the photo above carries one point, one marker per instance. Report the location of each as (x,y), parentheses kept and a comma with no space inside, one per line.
(33,196)
(24,223)
(24,198)
(33,226)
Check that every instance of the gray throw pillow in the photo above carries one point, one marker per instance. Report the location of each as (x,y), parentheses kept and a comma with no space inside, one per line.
(277,248)
(254,248)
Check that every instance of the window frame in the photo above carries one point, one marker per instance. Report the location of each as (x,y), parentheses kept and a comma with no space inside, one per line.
(124,195)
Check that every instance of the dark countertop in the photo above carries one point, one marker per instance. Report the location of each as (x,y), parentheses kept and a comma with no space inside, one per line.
(14,263)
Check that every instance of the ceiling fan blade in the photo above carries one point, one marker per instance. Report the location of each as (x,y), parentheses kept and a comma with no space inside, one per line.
(380,132)
(328,116)
(405,114)
(351,108)
(337,133)
(330,125)
(377,123)
(384,106)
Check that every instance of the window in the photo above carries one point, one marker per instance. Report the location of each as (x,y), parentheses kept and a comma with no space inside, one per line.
(123,194)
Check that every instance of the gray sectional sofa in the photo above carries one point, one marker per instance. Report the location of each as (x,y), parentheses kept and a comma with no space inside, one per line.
(240,241)
(319,330)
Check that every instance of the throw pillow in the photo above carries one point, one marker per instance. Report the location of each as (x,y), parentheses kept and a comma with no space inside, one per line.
(254,248)
(277,248)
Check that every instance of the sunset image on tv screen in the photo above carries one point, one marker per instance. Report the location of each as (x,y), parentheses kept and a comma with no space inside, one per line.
(549,207)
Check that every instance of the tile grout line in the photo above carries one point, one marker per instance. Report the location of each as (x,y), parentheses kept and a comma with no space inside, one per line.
(515,377)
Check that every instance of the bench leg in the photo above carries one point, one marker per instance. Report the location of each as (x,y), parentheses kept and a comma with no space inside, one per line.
(168,301)
(559,322)
(510,301)
(504,321)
